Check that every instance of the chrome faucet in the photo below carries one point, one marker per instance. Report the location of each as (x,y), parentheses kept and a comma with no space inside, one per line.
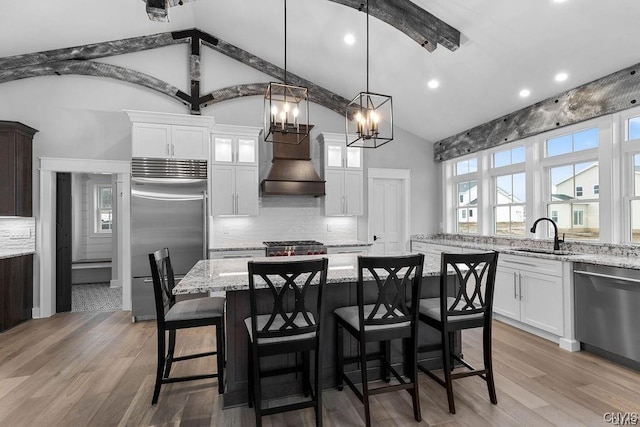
(556,241)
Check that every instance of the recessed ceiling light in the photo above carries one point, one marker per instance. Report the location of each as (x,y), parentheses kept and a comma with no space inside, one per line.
(560,77)
(525,92)
(559,1)
(349,39)
(433,84)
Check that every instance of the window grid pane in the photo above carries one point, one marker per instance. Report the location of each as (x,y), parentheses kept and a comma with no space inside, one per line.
(509,212)
(578,141)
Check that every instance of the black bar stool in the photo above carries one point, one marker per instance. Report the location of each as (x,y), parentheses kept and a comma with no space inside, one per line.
(293,325)
(466,300)
(172,315)
(392,315)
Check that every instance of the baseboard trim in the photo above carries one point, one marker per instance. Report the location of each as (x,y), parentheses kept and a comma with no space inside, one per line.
(35,313)
(115,283)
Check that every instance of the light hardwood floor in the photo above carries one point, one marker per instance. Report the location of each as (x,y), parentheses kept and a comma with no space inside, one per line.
(97,369)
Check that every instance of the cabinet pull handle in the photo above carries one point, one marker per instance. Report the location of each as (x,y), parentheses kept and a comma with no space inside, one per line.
(520,285)
(233,203)
(515,279)
(606,276)
(173,150)
(237,203)
(346,205)
(168,152)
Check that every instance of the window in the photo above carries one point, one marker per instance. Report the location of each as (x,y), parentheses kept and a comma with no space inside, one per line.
(554,216)
(509,205)
(104,220)
(634,200)
(467,201)
(596,189)
(578,141)
(578,218)
(509,157)
(633,129)
(467,166)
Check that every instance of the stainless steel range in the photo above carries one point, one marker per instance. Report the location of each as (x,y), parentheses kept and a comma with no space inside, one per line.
(295,247)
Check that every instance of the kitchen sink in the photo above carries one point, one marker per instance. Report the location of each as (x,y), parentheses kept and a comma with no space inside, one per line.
(544,251)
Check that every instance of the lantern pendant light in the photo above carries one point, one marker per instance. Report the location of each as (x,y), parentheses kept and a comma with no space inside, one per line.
(369,116)
(286,107)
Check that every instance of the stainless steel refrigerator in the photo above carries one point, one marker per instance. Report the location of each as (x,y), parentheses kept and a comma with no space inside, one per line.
(165,212)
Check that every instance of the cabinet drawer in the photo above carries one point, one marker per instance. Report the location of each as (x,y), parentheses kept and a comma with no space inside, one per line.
(533,264)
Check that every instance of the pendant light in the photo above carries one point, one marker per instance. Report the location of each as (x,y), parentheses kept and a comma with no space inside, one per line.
(369,116)
(286,107)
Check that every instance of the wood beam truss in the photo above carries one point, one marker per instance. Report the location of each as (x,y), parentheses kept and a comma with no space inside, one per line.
(79,60)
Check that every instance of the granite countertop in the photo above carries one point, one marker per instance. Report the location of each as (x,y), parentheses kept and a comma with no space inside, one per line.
(231,274)
(250,246)
(622,261)
(11,254)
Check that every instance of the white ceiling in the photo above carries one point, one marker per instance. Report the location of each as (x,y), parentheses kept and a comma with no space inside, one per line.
(506,45)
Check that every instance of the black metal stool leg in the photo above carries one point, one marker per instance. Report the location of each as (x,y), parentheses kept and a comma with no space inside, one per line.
(340,356)
(171,348)
(447,368)
(488,364)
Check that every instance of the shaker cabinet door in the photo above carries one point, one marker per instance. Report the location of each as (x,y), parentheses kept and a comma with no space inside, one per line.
(223,199)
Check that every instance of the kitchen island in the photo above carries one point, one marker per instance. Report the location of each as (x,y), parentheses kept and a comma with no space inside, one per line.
(230,275)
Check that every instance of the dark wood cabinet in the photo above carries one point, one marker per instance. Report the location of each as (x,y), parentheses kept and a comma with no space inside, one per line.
(16,168)
(16,290)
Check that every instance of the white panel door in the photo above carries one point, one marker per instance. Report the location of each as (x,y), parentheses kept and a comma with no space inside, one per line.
(189,142)
(151,140)
(223,199)
(246,190)
(506,300)
(542,301)
(387,217)
(334,188)
(353,189)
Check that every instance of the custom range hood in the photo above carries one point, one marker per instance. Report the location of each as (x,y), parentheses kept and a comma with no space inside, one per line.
(292,172)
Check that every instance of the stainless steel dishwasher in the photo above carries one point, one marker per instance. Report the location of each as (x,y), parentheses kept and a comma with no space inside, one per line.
(608,310)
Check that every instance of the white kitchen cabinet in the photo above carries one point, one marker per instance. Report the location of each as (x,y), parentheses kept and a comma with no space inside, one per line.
(234,190)
(234,170)
(343,173)
(170,136)
(530,290)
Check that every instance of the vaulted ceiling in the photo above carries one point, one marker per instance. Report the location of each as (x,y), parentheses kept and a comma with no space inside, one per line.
(505,46)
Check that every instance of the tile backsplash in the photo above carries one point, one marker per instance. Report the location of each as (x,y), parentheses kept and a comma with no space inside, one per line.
(17,235)
(285,218)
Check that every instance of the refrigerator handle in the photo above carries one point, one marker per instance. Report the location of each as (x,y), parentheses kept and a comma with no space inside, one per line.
(205,227)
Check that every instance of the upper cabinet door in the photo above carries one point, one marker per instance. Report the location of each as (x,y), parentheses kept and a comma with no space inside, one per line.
(246,150)
(353,158)
(189,142)
(223,194)
(353,197)
(151,140)
(246,190)
(235,150)
(335,158)
(223,149)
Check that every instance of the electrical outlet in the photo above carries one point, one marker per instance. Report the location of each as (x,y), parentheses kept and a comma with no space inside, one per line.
(20,233)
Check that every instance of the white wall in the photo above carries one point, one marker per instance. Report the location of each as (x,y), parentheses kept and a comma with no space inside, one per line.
(88,245)
(81,117)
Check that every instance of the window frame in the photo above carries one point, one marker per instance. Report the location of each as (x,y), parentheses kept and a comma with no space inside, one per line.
(458,179)
(97,210)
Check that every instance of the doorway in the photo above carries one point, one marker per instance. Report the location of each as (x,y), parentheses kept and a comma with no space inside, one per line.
(85,247)
(388,197)
(119,172)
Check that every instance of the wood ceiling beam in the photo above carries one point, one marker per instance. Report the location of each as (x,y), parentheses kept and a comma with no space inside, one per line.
(423,27)
(616,92)
(90,68)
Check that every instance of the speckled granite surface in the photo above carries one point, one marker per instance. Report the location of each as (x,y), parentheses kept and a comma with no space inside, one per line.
(231,274)
(624,256)
(250,246)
